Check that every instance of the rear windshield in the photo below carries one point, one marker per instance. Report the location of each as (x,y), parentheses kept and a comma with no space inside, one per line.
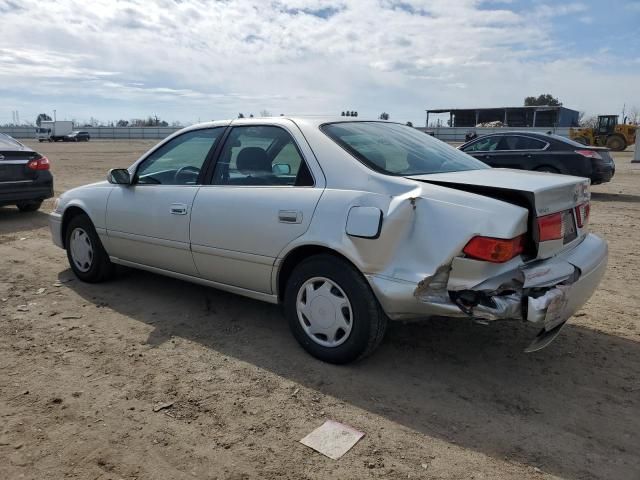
(399,150)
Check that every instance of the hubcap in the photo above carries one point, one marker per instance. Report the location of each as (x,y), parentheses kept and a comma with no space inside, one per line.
(81,249)
(324,312)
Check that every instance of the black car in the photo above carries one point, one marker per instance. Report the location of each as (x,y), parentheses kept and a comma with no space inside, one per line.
(25,178)
(544,153)
(77,137)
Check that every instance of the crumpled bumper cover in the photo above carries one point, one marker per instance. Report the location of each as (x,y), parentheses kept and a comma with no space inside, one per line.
(544,293)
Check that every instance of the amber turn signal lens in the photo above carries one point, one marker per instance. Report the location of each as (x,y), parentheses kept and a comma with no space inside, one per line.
(496,250)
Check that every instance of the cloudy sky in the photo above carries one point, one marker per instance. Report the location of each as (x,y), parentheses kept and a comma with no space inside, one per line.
(195,59)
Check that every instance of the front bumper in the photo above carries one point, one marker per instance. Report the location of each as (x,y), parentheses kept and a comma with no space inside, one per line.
(55,225)
(515,292)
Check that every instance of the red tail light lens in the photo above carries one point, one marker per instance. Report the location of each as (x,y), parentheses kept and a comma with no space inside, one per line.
(495,250)
(589,154)
(582,214)
(41,163)
(550,227)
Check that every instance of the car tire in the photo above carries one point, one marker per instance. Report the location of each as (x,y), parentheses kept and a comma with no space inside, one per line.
(344,296)
(87,257)
(29,206)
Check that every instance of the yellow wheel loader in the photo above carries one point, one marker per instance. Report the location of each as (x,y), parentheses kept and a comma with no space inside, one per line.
(608,133)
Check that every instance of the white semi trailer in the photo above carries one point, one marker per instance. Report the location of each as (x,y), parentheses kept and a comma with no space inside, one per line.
(53,130)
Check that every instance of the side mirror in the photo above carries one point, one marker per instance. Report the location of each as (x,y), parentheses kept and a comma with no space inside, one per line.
(281,169)
(119,176)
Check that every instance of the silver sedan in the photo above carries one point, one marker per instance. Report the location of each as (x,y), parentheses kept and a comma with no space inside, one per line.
(348,224)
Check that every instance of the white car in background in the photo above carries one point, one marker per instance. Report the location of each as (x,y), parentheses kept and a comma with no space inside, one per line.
(349,224)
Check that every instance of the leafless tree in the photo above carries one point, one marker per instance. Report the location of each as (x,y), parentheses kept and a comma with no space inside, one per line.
(589,122)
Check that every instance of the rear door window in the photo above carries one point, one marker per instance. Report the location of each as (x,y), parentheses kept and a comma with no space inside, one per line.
(261,155)
(528,143)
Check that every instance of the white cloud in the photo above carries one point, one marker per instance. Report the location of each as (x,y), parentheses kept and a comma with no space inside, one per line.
(190,59)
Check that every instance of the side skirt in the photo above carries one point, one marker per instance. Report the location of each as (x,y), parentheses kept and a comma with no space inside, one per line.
(264,297)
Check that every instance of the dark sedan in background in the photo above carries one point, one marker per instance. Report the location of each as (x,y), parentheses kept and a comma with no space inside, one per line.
(77,136)
(543,153)
(25,178)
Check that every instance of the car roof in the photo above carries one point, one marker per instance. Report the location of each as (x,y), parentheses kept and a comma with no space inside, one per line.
(8,143)
(523,132)
(309,120)
(547,137)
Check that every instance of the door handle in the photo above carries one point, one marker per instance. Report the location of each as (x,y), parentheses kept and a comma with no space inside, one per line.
(290,216)
(178,209)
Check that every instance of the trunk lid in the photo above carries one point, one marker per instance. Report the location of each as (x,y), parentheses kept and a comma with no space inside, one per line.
(13,161)
(541,193)
(546,192)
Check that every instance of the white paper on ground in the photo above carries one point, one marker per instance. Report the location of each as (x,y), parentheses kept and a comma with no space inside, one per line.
(332,439)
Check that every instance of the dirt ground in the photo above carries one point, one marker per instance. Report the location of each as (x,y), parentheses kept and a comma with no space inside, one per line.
(83,366)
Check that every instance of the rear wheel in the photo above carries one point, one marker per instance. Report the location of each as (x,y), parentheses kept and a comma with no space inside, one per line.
(29,206)
(616,143)
(332,311)
(86,255)
(581,140)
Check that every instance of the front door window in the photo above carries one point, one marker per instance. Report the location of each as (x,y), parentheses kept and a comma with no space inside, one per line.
(179,161)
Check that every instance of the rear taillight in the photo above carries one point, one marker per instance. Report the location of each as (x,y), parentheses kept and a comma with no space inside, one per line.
(589,154)
(550,227)
(496,250)
(41,163)
(582,214)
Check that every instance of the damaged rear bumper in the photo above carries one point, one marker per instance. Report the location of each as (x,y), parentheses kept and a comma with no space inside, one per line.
(544,293)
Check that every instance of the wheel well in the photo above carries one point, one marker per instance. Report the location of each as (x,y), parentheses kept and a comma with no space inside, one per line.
(69,213)
(551,167)
(297,255)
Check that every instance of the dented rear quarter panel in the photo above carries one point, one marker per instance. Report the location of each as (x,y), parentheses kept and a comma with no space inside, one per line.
(424,226)
(417,259)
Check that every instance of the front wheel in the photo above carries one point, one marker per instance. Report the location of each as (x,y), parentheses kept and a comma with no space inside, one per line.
(87,257)
(332,311)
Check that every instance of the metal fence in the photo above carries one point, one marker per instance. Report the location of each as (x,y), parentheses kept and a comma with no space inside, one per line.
(447,134)
(457,134)
(112,133)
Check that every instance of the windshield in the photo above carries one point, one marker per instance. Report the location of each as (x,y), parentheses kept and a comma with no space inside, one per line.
(399,150)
